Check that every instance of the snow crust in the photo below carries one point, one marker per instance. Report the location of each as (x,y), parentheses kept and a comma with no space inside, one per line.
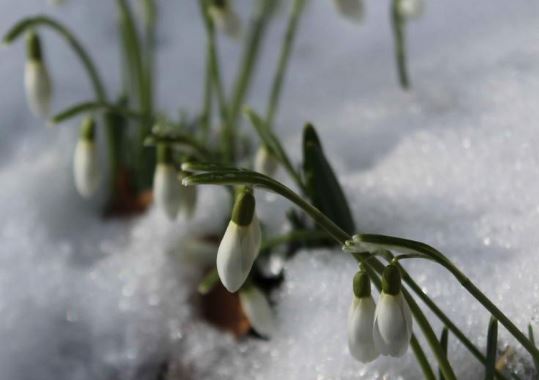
(452,163)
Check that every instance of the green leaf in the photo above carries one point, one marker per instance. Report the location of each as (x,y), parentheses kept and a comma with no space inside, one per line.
(492,342)
(321,183)
(532,339)
(444,339)
(208,282)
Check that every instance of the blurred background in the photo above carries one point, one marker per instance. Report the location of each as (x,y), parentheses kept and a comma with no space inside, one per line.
(452,162)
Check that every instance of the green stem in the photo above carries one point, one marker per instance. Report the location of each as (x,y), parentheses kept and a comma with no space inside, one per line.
(394,242)
(244,76)
(85,107)
(294,236)
(284,57)
(257,179)
(398,24)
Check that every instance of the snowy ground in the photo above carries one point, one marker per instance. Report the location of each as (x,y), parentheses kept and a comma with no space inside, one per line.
(451,163)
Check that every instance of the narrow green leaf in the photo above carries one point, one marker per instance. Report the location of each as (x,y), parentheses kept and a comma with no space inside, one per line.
(321,183)
(444,338)
(532,340)
(85,107)
(492,342)
(208,282)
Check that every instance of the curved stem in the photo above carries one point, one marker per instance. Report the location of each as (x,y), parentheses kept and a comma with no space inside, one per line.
(85,107)
(293,236)
(284,57)
(235,177)
(394,242)
(87,62)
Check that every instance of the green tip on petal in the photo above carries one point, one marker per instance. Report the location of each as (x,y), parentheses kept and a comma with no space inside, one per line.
(33,46)
(244,207)
(362,285)
(164,154)
(391,280)
(87,129)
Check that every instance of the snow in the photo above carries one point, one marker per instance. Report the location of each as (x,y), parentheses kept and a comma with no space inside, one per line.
(452,163)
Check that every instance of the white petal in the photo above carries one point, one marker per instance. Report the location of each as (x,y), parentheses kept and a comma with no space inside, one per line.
(360,325)
(237,252)
(86,168)
(410,9)
(265,163)
(188,198)
(38,88)
(392,328)
(258,311)
(351,9)
(167,190)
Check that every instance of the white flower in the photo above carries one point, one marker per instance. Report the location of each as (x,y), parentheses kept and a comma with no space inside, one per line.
(225,18)
(410,9)
(257,309)
(240,245)
(392,325)
(167,190)
(360,329)
(86,168)
(36,78)
(351,9)
(265,163)
(188,198)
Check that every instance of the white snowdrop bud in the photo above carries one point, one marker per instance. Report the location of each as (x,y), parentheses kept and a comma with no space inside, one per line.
(188,197)
(240,244)
(351,9)
(225,18)
(392,319)
(361,320)
(36,78)
(85,162)
(265,162)
(410,9)
(257,309)
(167,188)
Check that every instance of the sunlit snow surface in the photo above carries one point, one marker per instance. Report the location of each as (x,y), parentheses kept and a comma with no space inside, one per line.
(453,163)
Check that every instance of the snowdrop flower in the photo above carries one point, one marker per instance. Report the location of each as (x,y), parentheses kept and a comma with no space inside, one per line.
(225,18)
(85,162)
(167,190)
(361,320)
(265,162)
(351,9)
(240,244)
(392,319)
(188,197)
(36,78)
(410,9)
(257,309)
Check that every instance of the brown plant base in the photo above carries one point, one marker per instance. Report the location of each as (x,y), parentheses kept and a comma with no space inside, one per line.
(223,310)
(126,202)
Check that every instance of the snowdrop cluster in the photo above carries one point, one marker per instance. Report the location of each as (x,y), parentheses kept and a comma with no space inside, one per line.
(382,329)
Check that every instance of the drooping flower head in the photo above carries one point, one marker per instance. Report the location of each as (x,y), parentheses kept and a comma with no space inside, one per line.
(256,307)
(241,242)
(361,320)
(167,188)
(351,9)
(225,18)
(86,162)
(36,77)
(392,319)
(265,162)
